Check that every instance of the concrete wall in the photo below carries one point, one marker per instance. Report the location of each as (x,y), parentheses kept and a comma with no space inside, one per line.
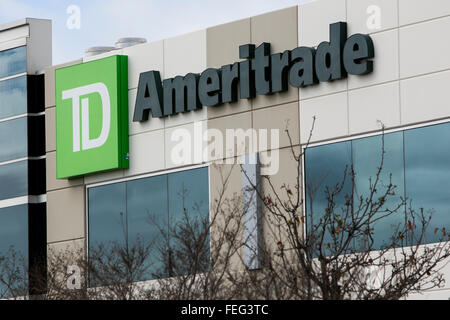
(401,91)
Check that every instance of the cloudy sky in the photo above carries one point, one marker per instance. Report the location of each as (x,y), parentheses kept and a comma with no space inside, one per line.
(103,21)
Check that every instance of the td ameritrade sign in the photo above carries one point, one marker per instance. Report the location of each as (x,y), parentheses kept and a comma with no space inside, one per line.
(262,73)
(92,117)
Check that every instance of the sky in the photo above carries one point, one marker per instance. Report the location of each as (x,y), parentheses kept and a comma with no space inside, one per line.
(101,22)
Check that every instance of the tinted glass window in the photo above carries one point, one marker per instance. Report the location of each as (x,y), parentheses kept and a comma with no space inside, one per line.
(14,230)
(13,139)
(417,159)
(14,236)
(326,167)
(146,209)
(13,97)
(13,61)
(367,157)
(147,213)
(189,202)
(188,190)
(107,206)
(14,180)
(427,171)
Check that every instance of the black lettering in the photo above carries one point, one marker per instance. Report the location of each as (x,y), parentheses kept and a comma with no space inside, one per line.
(261,67)
(357,49)
(259,73)
(329,64)
(280,71)
(246,74)
(180,94)
(230,81)
(302,72)
(209,87)
(149,96)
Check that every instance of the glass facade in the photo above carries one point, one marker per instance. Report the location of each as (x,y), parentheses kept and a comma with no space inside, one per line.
(13,61)
(146,208)
(418,160)
(14,230)
(13,97)
(427,173)
(22,224)
(14,177)
(14,240)
(13,139)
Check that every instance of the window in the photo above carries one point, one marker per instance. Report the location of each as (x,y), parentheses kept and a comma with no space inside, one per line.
(13,97)
(13,61)
(139,208)
(13,139)
(325,167)
(14,236)
(418,159)
(14,180)
(14,230)
(427,174)
(366,160)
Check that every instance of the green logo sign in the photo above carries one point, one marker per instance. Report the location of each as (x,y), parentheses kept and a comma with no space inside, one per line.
(92,117)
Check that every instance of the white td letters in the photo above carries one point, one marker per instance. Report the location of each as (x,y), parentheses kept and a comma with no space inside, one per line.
(75,94)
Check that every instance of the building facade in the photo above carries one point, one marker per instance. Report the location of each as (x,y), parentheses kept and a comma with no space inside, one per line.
(165,163)
(25,48)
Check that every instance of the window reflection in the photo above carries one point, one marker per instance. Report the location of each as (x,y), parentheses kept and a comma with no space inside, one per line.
(419,161)
(147,213)
(427,170)
(14,230)
(189,199)
(13,61)
(14,178)
(13,97)
(188,190)
(326,166)
(13,139)
(367,156)
(146,209)
(106,210)
(14,239)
